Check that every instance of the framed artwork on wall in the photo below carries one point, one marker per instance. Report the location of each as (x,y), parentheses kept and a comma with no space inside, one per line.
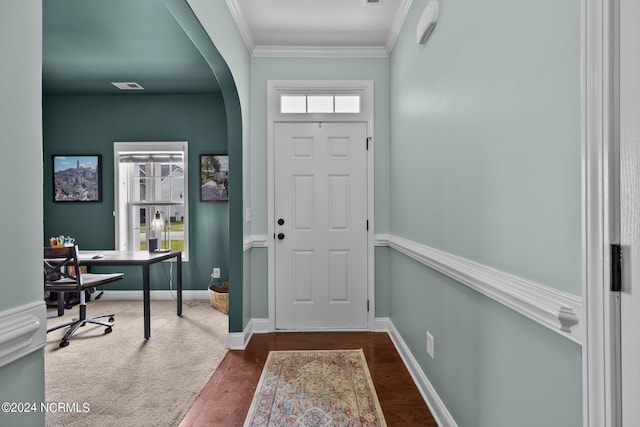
(214,177)
(77,178)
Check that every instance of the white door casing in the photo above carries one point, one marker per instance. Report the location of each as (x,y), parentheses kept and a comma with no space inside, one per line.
(321,225)
(611,120)
(363,88)
(629,134)
(599,380)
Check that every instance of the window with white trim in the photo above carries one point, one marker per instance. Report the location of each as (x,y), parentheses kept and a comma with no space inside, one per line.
(151,195)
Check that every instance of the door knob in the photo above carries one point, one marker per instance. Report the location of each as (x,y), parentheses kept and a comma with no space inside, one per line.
(280,236)
(281,221)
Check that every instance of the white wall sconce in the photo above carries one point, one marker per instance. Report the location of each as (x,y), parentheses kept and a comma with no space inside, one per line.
(427,22)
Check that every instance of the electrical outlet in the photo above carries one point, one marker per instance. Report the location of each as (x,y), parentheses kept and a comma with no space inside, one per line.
(216,273)
(430,344)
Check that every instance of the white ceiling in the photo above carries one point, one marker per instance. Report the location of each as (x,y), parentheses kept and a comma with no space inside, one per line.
(319,27)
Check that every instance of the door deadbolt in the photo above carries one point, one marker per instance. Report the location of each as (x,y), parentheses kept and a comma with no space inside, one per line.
(281,221)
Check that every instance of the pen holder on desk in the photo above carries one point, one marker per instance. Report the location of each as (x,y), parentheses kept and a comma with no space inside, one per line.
(61,241)
(152,245)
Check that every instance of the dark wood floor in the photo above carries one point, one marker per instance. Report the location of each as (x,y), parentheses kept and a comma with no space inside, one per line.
(227,396)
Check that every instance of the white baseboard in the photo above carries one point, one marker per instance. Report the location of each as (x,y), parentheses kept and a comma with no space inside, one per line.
(429,394)
(260,326)
(23,330)
(239,340)
(381,324)
(155,295)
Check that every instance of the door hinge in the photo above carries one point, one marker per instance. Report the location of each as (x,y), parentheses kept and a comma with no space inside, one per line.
(367,306)
(616,268)
(368,141)
(367,225)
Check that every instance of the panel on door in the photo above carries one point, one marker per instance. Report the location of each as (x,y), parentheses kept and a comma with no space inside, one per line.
(321,237)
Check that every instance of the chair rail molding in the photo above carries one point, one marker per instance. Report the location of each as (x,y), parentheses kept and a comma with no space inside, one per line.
(23,329)
(255,241)
(559,311)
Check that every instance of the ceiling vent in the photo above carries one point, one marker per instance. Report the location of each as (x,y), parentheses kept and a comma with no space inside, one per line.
(127,85)
(371,2)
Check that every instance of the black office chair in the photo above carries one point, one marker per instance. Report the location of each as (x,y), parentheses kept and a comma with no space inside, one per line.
(62,274)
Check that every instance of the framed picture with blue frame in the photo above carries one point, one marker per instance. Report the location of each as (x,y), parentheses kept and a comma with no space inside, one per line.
(77,178)
(214,177)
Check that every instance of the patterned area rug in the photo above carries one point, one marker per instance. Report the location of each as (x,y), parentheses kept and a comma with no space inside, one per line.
(315,388)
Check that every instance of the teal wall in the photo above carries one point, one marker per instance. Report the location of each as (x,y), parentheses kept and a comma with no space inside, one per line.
(258,265)
(211,21)
(485,163)
(21,183)
(382,281)
(91,124)
(23,381)
(486,136)
(492,366)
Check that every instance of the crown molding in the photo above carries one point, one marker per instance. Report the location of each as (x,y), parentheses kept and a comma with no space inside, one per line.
(268,51)
(397,24)
(241,24)
(265,51)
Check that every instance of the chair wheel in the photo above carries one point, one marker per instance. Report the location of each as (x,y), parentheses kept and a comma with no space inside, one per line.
(111,319)
(64,343)
(108,330)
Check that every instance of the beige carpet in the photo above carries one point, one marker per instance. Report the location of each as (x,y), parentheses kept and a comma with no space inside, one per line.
(121,379)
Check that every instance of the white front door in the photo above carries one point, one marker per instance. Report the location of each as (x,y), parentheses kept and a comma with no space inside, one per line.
(320,225)
(630,208)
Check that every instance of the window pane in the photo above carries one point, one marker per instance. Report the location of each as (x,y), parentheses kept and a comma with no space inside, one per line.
(293,104)
(152,180)
(347,103)
(320,104)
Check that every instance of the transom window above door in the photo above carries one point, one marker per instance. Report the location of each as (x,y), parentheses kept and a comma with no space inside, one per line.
(319,104)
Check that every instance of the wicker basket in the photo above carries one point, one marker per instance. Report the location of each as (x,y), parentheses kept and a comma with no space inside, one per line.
(219,295)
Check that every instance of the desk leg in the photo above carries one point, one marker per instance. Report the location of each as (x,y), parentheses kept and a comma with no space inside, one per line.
(179,273)
(147,304)
(60,304)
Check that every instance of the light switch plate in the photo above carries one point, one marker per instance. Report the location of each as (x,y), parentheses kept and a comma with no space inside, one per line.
(430,345)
